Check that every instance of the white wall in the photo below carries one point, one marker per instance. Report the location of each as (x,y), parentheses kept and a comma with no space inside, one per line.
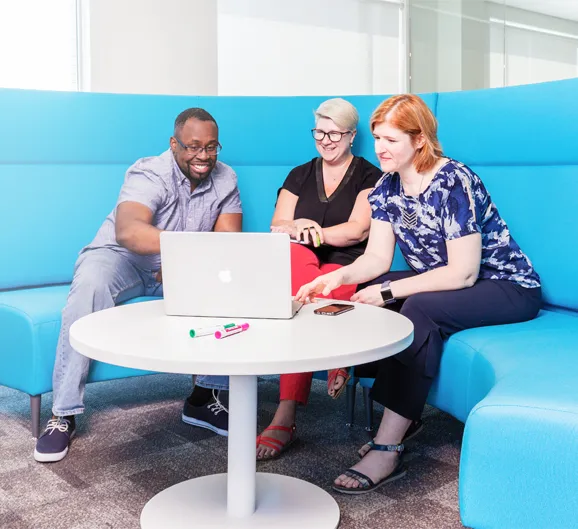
(253,47)
(38,45)
(152,46)
(308,47)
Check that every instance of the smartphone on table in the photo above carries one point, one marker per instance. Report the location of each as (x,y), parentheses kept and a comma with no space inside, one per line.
(334,309)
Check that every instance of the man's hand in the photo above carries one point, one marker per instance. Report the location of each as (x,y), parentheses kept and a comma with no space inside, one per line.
(159,276)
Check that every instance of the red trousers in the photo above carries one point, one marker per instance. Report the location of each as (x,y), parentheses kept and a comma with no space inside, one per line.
(305,267)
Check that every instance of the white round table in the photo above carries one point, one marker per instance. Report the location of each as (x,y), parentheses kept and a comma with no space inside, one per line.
(141,336)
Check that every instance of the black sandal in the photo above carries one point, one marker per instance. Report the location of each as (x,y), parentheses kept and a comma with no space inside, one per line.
(367,484)
(414,428)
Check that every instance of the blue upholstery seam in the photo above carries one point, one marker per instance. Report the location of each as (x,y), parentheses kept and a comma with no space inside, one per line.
(471,370)
(519,164)
(20,311)
(520,406)
(33,332)
(561,310)
(33,327)
(107,162)
(277,164)
(26,316)
(31,287)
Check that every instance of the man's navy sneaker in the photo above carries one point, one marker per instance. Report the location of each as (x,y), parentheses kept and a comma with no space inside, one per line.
(212,415)
(53,444)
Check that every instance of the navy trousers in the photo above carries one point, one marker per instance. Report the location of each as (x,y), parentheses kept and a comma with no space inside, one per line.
(403,381)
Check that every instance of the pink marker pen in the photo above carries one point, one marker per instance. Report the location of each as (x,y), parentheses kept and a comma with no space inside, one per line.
(231,330)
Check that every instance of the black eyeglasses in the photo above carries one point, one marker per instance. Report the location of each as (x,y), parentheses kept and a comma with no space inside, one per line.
(212,150)
(334,135)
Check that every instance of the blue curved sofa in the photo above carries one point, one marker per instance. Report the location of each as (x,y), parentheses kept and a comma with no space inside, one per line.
(62,161)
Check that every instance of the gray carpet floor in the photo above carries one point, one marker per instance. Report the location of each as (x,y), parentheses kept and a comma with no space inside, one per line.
(131,444)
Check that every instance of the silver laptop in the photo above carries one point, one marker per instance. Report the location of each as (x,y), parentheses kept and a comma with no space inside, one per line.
(241,275)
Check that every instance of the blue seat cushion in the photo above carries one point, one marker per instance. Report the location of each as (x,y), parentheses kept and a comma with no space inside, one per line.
(474,361)
(29,327)
(520,441)
(516,356)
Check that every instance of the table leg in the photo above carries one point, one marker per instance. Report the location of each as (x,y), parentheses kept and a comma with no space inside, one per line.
(242,498)
(242,435)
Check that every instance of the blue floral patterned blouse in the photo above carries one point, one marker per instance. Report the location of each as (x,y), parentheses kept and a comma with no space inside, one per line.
(455,204)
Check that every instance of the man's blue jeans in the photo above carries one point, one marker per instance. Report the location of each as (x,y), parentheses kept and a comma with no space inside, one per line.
(102,279)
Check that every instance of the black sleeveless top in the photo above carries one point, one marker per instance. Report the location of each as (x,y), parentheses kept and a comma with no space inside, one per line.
(306,181)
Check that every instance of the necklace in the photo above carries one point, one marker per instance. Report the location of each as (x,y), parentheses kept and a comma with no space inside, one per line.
(342,173)
(409,218)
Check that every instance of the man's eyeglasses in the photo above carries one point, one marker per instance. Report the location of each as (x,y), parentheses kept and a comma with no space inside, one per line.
(212,150)
(334,135)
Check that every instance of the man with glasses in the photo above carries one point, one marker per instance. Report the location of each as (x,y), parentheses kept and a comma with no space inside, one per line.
(183,189)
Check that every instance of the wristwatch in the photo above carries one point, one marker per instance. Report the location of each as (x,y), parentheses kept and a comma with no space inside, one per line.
(386,294)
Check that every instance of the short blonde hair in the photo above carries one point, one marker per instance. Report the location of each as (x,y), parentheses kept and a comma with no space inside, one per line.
(340,111)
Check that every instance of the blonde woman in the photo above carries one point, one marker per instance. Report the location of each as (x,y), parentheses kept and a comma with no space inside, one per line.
(323,204)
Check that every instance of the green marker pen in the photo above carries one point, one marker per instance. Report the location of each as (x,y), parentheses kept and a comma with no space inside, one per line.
(205,331)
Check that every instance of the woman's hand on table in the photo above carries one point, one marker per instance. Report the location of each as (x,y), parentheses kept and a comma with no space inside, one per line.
(370,296)
(323,285)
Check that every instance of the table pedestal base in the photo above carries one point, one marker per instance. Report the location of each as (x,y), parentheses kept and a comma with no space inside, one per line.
(282,502)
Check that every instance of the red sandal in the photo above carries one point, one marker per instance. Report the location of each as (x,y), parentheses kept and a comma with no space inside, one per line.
(332,375)
(276,444)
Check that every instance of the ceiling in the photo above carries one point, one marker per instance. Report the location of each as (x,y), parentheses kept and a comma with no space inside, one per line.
(567,9)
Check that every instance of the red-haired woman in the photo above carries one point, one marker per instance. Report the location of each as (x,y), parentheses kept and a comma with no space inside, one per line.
(466,271)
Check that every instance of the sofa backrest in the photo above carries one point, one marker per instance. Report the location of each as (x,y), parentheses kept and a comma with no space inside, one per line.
(63,157)
(523,142)
(62,161)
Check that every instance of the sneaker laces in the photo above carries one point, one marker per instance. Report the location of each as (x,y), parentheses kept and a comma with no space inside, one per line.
(217,406)
(60,423)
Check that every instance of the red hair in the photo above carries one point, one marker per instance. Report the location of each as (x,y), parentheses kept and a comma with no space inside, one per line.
(409,113)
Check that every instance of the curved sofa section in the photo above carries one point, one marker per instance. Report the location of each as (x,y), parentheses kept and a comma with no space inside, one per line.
(515,386)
